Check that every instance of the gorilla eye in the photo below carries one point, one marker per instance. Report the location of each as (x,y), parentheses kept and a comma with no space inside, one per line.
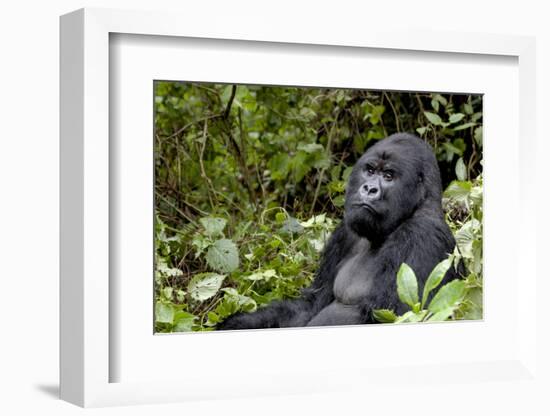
(369,169)
(388,175)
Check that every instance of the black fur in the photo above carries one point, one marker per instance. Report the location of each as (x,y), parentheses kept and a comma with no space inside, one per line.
(393,215)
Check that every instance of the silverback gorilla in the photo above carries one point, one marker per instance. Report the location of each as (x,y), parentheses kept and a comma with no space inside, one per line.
(393,215)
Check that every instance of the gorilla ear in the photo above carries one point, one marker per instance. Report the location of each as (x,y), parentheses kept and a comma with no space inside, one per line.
(422,186)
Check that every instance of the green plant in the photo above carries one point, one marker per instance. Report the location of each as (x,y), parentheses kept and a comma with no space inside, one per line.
(273,262)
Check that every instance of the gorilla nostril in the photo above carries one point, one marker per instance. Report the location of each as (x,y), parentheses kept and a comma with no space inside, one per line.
(372,191)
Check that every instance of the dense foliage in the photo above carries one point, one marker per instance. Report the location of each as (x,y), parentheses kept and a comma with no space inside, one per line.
(250,181)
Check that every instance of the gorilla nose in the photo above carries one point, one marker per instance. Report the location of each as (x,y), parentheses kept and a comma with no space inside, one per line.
(370,191)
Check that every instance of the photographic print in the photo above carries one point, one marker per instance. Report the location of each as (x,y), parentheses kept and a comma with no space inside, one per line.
(282,207)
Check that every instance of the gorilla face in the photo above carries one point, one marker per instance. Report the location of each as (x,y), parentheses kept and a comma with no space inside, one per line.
(387,186)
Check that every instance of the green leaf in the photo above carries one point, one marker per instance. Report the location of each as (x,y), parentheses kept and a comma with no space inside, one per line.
(451,149)
(166,271)
(411,316)
(435,278)
(164,312)
(200,243)
(180,295)
(465,126)
(433,118)
(442,315)
(242,302)
(213,227)
(466,236)
(339,201)
(316,219)
(458,191)
(474,304)
(223,256)
(384,315)
(311,147)
(478,136)
(183,321)
(376,113)
(279,165)
(455,118)
(205,285)
(476,195)
(347,173)
(421,130)
(280,217)
(213,318)
(407,286)
(448,297)
(460,170)
(440,98)
(291,226)
(300,165)
(262,275)
(167,292)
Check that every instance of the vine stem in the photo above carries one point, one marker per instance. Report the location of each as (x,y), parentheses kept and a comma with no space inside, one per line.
(201,163)
(323,170)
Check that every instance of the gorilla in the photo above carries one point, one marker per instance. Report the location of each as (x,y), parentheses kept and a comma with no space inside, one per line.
(393,215)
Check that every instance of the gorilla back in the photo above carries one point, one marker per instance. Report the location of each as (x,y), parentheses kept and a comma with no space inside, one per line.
(393,215)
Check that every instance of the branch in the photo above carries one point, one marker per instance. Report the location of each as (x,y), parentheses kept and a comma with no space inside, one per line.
(230,102)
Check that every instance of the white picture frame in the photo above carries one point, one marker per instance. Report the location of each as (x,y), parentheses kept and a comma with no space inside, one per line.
(87,303)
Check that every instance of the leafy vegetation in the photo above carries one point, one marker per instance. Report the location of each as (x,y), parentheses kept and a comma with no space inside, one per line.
(250,182)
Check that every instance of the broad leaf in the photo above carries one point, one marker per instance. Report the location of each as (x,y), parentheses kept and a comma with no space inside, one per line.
(244,303)
(478,136)
(455,118)
(433,118)
(407,286)
(467,236)
(460,170)
(317,219)
(291,226)
(458,191)
(384,315)
(213,226)
(442,315)
(435,278)
(311,147)
(261,275)
(448,296)
(223,256)
(205,285)
(164,312)
(421,130)
(440,98)
(465,126)
(474,301)
(411,317)
(183,321)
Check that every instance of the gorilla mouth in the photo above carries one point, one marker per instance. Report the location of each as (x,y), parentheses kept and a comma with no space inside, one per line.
(366,206)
